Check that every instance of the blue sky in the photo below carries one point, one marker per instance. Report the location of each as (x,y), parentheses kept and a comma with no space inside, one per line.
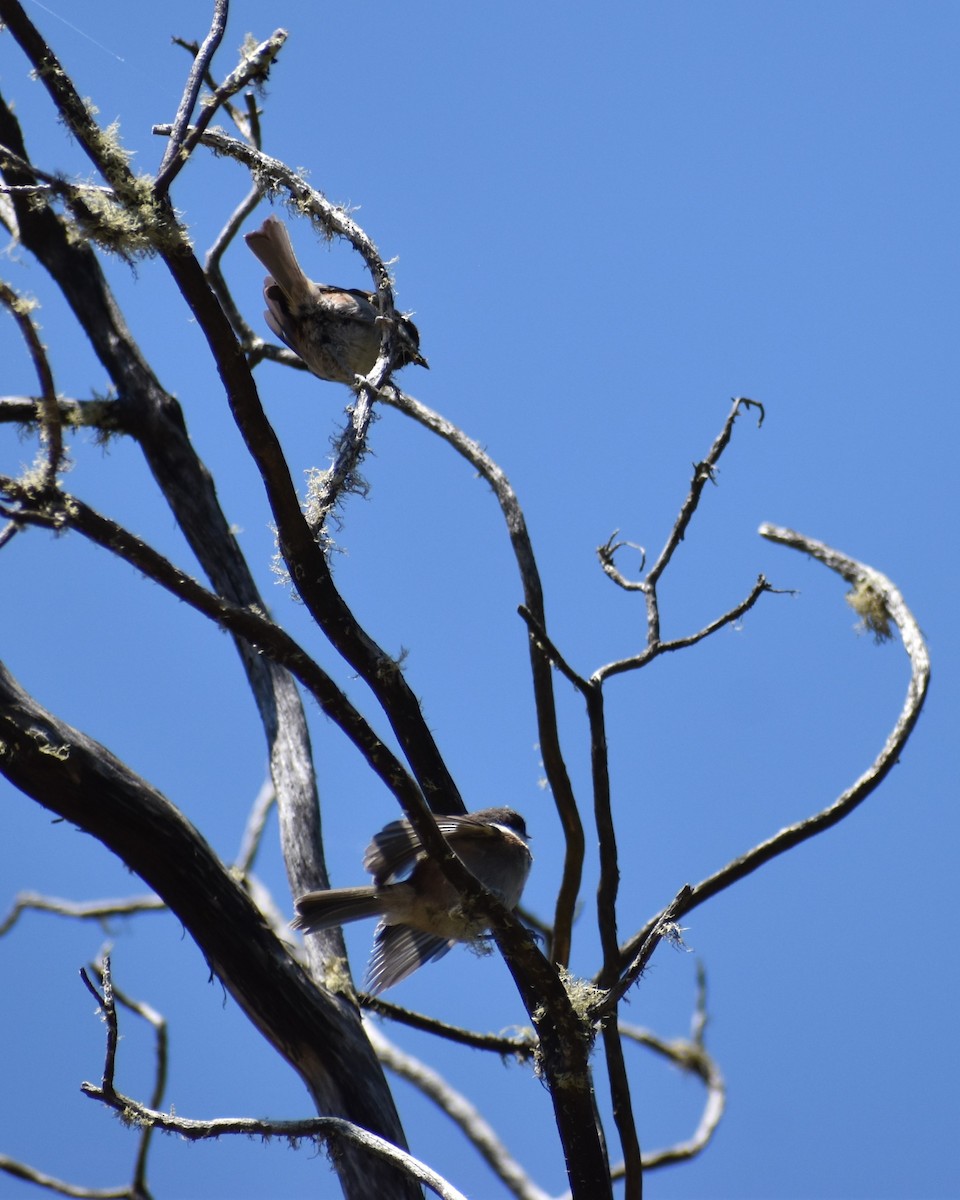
(609,219)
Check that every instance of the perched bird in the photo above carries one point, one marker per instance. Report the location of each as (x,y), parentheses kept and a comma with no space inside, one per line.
(336,331)
(421,916)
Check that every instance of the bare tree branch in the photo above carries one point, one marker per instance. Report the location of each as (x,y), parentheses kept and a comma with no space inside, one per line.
(316,1033)
(161,1058)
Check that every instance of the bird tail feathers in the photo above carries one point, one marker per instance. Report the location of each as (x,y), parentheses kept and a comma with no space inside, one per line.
(322,910)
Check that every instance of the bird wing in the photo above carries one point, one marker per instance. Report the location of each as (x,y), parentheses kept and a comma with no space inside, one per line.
(396,848)
(397,952)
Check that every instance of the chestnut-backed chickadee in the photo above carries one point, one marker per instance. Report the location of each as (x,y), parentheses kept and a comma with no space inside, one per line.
(336,331)
(421,917)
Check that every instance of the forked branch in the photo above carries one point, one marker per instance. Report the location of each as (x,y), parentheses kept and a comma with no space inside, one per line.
(876,595)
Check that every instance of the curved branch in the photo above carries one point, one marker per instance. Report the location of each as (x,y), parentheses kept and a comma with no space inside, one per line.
(461,1111)
(544,699)
(60,1187)
(887,600)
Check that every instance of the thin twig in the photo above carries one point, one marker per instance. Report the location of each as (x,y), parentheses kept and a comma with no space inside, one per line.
(691,1056)
(108,1007)
(325,1129)
(161,1057)
(48,410)
(733,615)
(521,1047)
(21,1170)
(607,890)
(214,271)
(703,473)
(665,926)
(84,910)
(256,823)
(8,532)
(174,156)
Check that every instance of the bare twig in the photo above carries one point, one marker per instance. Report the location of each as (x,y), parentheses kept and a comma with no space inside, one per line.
(522,1047)
(48,410)
(607,890)
(21,1170)
(84,910)
(323,1129)
(545,646)
(665,927)
(329,1130)
(174,156)
(256,823)
(689,1055)
(214,271)
(607,554)
(109,1009)
(159,1025)
(247,123)
(703,473)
